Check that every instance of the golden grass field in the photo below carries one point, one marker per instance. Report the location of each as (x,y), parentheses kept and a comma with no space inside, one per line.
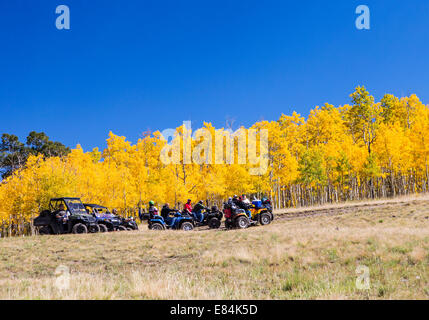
(308,253)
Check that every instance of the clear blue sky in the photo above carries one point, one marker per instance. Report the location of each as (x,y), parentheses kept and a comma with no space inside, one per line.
(129,66)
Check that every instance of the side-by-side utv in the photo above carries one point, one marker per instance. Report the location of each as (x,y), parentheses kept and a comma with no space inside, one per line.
(106,220)
(109,221)
(65,215)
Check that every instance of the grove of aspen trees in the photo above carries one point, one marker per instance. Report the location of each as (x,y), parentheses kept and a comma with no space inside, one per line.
(364,149)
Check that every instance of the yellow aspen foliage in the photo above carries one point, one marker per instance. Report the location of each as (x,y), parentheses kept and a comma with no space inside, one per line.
(358,150)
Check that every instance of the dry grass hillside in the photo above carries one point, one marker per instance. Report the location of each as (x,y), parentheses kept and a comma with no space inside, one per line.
(304,254)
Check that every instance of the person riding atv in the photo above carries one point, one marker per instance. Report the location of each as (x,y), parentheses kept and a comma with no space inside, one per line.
(197,211)
(166,210)
(153,211)
(187,210)
(244,203)
(204,216)
(234,216)
(168,214)
(177,221)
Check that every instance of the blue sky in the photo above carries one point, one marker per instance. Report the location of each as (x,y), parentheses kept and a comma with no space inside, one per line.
(131,66)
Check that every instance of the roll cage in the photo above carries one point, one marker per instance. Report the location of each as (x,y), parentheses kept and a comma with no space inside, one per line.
(72,205)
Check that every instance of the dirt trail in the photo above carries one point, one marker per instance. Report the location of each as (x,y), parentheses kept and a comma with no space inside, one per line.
(339,209)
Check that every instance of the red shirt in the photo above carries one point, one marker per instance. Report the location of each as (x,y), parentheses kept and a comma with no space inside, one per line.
(188,206)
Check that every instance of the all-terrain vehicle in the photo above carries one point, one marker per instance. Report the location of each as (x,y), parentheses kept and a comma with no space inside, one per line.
(260,213)
(235,217)
(177,222)
(129,223)
(211,218)
(65,215)
(106,220)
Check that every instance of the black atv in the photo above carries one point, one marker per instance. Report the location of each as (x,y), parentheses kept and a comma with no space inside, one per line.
(211,217)
(129,223)
(65,215)
(235,217)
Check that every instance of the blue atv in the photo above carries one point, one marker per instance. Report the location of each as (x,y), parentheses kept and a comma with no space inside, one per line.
(177,222)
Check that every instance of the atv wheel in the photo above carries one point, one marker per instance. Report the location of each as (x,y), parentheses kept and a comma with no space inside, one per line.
(103,228)
(122,228)
(187,226)
(94,228)
(157,226)
(265,219)
(242,222)
(79,228)
(45,230)
(214,223)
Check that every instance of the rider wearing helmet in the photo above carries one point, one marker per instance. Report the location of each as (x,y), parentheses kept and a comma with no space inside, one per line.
(230,202)
(188,207)
(236,200)
(153,211)
(196,212)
